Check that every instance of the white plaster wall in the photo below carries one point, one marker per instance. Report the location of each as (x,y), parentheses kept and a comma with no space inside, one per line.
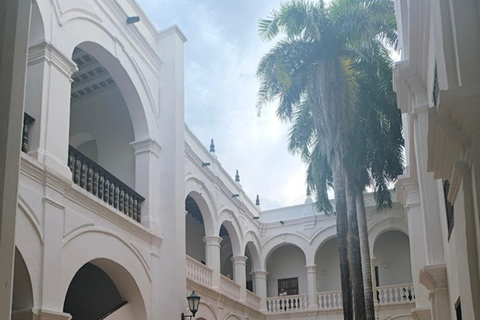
(392,252)
(328,267)
(286,262)
(106,118)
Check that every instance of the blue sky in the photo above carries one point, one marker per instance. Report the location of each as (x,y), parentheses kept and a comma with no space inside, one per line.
(221,58)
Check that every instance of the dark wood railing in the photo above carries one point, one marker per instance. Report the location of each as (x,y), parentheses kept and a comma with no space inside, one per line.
(27,121)
(90,176)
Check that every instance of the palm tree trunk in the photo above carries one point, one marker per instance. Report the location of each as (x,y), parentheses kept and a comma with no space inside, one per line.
(365,251)
(354,252)
(342,228)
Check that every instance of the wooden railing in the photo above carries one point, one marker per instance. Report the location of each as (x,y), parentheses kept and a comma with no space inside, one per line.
(198,272)
(330,300)
(229,288)
(90,176)
(297,303)
(27,122)
(253,301)
(395,294)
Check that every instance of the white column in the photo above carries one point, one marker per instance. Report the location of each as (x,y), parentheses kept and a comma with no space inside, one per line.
(48,101)
(435,279)
(312,286)
(239,274)
(212,257)
(260,278)
(14,32)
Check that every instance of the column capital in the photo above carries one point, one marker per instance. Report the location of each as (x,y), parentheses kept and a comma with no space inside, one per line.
(45,51)
(311,268)
(408,191)
(260,273)
(434,277)
(239,260)
(148,145)
(212,240)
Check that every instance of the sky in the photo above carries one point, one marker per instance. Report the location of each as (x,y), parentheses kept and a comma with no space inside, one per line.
(221,57)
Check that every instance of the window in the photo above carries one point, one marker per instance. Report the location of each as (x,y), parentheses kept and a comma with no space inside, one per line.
(448,207)
(289,286)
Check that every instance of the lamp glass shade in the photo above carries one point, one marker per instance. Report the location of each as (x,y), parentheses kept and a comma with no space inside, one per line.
(193,302)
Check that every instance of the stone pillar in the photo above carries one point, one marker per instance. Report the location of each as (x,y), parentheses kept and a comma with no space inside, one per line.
(48,102)
(14,32)
(239,274)
(409,195)
(147,164)
(260,279)
(212,257)
(312,286)
(434,278)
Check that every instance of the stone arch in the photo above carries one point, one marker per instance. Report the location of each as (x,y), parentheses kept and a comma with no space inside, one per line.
(321,237)
(384,225)
(195,188)
(253,246)
(228,219)
(327,264)
(125,265)
(232,317)
(22,298)
(206,312)
(113,55)
(283,239)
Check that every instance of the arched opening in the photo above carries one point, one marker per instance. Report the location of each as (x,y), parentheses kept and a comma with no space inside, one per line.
(252,264)
(98,108)
(392,252)
(194,230)
(92,294)
(286,271)
(328,266)
(226,253)
(22,285)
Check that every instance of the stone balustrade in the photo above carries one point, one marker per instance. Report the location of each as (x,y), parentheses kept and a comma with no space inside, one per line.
(330,300)
(395,294)
(229,288)
(287,304)
(253,301)
(198,272)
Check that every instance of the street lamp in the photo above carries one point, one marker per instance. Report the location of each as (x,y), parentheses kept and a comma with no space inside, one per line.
(193,303)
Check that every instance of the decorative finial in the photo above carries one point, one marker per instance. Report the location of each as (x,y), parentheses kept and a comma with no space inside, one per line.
(257,202)
(237,177)
(212,146)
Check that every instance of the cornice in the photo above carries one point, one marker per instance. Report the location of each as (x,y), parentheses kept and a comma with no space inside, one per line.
(408,191)
(175,29)
(45,51)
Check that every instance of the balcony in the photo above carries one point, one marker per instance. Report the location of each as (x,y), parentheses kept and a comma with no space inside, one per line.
(90,176)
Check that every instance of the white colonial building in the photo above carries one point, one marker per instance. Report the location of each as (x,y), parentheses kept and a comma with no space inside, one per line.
(122,211)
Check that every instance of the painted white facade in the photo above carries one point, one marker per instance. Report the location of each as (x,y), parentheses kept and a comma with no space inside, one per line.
(75,232)
(437,81)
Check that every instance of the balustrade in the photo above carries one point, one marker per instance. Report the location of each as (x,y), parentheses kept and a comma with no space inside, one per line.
(330,300)
(395,294)
(90,176)
(198,272)
(253,301)
(285,304)
(229,288)
(27,122)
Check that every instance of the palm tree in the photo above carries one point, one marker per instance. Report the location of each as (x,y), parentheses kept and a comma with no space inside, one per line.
(310,68)
(375,151)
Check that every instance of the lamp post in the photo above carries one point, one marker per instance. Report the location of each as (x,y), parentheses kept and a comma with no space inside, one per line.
(193,303)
